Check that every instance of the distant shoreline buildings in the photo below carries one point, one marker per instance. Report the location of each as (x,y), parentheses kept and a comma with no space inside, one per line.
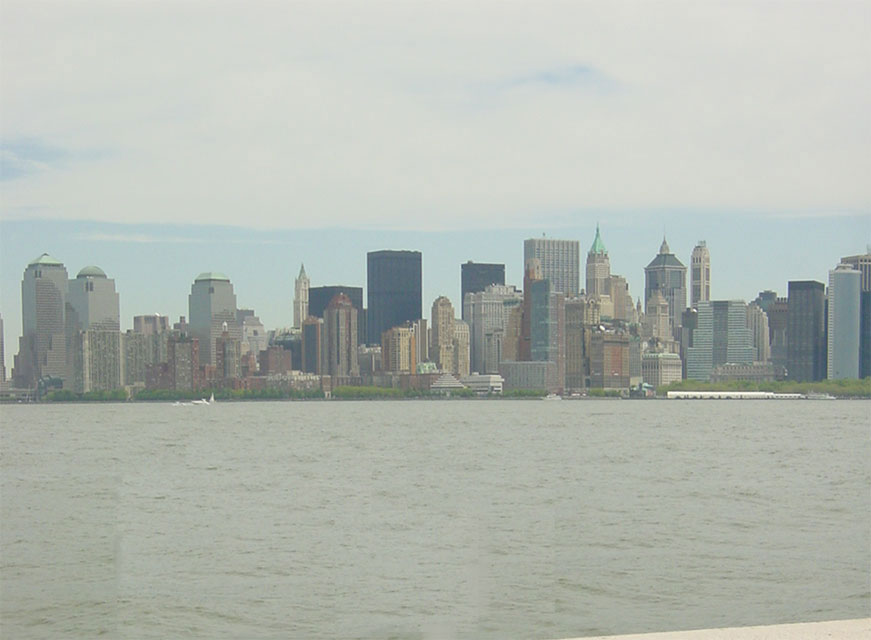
(551,335)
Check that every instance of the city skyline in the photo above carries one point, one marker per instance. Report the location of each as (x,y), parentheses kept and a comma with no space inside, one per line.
(747,265)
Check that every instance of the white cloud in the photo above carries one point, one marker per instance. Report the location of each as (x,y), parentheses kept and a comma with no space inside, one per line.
(436,116)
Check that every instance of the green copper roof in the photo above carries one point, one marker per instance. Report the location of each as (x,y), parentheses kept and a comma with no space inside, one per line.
(91,272)
(46,260)
(598,245)
(212,275)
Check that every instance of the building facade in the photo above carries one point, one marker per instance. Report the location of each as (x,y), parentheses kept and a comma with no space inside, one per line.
(757,323)
(442,334)
(475,277)
(42,347)
(721,336)
(211,304)
(806,331)
(394,288)
(340,324)
(598,281)
(559,260)
(700,274)
(862,263)
(487,313)
(667,274)
(843,322)
(300,298)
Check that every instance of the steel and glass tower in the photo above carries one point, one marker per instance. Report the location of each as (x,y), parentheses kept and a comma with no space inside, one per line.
(393,290)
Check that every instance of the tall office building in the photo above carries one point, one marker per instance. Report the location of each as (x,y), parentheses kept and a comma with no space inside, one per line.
(301,298)
(320,297)
(340,326)
(442,334)
(721,335)
(559,260)
(843,322)
(668,275)
(700,274)
(806,331)
(863,264)
(42,347)
(394,288)
(93,332)
(547,327)
(778,316)
(313,349)
(94,301)
(461,344)
(399,349)
(477,276)
(487,314)
(598,269)
(757,323)
(211,303)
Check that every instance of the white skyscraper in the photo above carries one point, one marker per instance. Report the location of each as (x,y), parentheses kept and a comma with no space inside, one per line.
(560,262)
(843,331)
(300,298)
(700,274)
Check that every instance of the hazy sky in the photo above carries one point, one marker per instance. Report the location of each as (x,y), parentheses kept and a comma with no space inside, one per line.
(710,120)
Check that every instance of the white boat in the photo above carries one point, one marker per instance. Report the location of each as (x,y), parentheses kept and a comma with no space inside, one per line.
(552,396)
(211,400)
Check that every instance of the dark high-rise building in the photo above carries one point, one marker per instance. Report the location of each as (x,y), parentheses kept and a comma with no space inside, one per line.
(477,276)
(667,274)
(313,350)
(806,331)
(393,290)
(319,298)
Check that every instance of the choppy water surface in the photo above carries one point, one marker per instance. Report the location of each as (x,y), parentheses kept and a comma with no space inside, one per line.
(468,519)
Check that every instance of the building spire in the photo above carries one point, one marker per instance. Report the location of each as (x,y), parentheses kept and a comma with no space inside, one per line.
(663,248)
(598,245)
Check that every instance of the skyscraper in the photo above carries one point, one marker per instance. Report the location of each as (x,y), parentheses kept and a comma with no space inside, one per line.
(547,327)
(93,332)
(805,331)
(94,301)
(477,276)
(667,274)
(863,264)
(757,322)
(598,269)
(393,290)
(560,262)
(487,314)
(442,342)
(42,348)
(843,322)
(300,298)
(340,326)
(212,303)
(700,274)
(721,336)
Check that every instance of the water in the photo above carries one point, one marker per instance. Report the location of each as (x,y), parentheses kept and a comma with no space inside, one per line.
(467,519)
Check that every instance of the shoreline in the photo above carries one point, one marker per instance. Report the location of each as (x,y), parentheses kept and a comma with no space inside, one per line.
(854,629)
